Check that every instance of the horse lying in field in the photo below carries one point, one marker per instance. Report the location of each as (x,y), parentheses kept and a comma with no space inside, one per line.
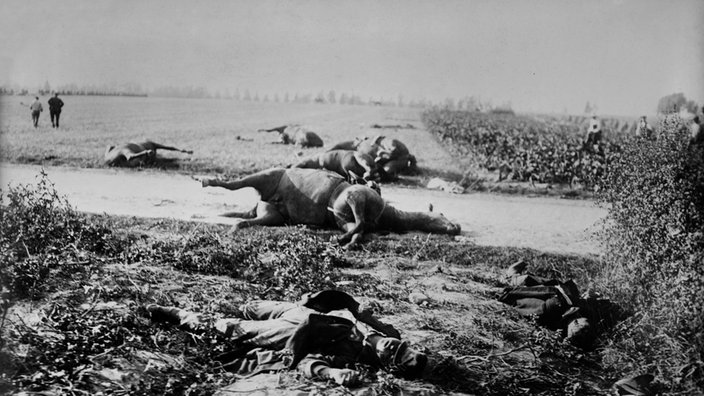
(295,134)
(355,166)
(136,154)
(391,155)
(321,198)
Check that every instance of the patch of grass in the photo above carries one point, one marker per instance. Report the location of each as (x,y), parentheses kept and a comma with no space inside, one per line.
(445,250)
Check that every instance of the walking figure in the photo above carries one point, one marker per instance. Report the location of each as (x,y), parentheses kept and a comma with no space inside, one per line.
(36,109)
(55,105)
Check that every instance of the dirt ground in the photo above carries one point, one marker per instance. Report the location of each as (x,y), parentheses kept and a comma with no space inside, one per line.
(546,224)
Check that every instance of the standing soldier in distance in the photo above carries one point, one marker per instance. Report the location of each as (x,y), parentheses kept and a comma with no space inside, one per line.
(36,109)
(55,105)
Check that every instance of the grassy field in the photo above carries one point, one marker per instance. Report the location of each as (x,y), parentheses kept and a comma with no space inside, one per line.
(222,133)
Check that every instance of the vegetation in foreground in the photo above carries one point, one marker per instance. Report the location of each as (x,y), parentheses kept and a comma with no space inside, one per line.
(655,247)
(74,288)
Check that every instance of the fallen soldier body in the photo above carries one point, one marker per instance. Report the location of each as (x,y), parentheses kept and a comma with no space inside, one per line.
(558,306)
(324,335)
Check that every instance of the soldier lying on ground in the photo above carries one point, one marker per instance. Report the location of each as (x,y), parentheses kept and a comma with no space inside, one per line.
(558,305)
(315,335)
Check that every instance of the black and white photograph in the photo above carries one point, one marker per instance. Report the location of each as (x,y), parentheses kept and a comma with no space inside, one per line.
(370,197)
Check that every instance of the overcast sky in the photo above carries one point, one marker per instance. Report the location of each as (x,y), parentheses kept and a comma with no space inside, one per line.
(547,55)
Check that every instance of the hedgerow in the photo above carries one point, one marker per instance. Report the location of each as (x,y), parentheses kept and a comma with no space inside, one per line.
(655,253)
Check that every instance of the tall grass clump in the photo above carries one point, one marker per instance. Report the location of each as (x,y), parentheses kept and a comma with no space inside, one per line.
(655,254)
(42,235)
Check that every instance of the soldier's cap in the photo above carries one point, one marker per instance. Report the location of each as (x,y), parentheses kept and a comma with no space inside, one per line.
(330,300)
(406,361)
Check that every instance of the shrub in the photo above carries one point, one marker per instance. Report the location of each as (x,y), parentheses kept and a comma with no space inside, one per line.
(40,232)
(655,251)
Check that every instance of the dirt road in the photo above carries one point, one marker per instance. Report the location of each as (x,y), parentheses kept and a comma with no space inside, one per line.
(548,224)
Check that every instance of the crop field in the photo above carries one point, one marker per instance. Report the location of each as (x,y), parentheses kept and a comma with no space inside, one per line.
(222,133)
(543,150)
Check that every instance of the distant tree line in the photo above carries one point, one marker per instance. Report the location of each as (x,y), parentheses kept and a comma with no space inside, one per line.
(675,103)
(200,92)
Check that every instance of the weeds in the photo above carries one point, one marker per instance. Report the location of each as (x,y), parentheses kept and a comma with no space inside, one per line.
(41,234)
(655,250)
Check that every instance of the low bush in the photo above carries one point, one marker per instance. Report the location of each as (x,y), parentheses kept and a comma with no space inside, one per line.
(40,233)
(655,243)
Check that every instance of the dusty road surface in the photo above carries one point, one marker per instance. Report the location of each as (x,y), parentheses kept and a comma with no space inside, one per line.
(548,224)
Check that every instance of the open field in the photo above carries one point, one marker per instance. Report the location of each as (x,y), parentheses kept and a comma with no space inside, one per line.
(222,133)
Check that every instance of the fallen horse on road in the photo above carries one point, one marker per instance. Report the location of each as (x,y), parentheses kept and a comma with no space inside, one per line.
(136,154)
(297,135)
(352,165)
(322,198)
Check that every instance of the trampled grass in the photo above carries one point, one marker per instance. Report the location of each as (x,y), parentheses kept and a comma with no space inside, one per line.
(222,133)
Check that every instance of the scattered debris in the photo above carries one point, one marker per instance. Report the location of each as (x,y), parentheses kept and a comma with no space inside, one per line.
(418,298)
(393,126)
(437,183)
(638,385)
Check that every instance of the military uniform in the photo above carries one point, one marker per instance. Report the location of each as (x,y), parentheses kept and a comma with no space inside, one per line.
(274,335)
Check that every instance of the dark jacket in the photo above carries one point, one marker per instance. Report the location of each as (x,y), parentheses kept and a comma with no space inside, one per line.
(55,105)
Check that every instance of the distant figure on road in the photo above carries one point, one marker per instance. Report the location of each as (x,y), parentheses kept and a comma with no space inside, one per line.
(136,154)
(36,109)
(55,105)
(644,129)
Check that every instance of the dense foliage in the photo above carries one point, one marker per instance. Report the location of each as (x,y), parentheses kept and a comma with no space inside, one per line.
(655,242)
(42,236)
(523,148)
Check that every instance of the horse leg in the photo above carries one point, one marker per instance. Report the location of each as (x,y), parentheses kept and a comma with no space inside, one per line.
(266,215)
(356,229)
(250,214)
(144,153)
